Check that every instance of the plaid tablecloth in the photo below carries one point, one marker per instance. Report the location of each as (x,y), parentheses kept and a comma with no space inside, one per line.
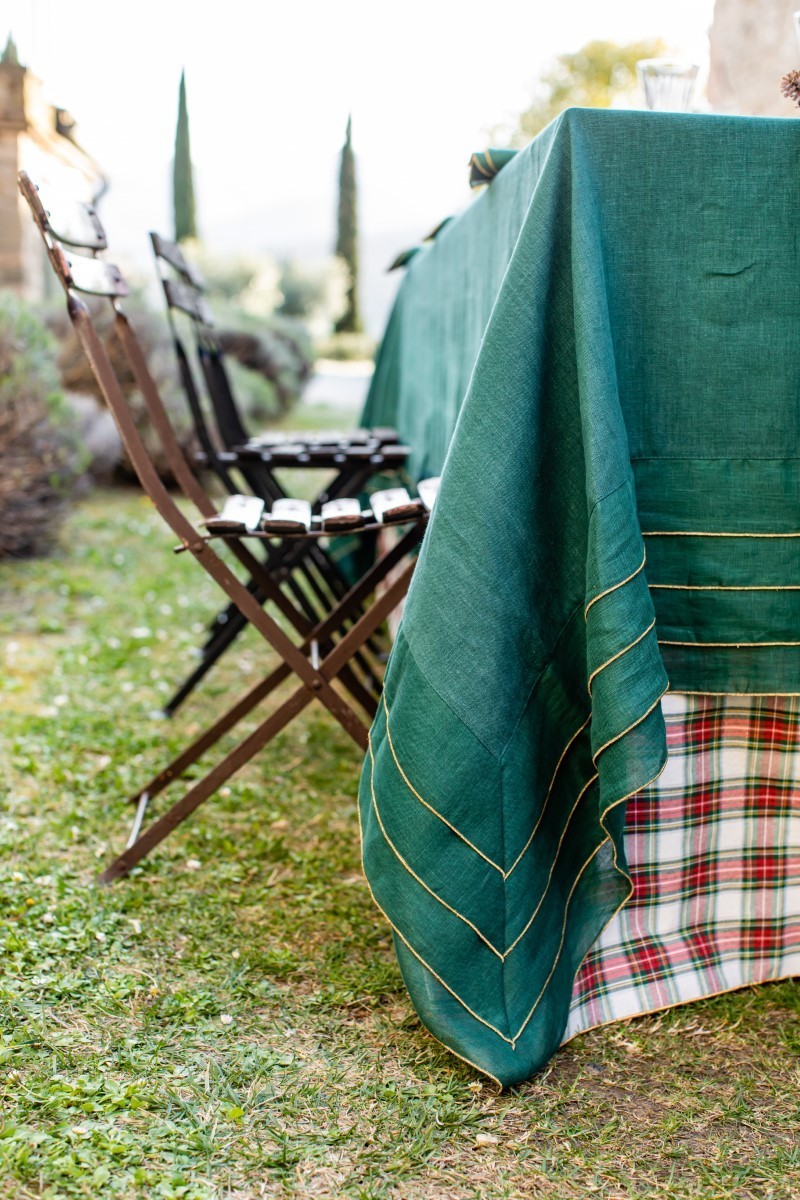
(713,850)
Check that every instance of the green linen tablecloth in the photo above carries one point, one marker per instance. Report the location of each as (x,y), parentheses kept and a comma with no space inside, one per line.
(602,353)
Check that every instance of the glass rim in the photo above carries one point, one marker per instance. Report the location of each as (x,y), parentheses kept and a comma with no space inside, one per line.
(673,65)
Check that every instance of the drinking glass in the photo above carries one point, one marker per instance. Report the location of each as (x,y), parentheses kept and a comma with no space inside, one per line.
(667,85)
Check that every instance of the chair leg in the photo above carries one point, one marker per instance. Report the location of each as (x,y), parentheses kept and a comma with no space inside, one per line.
(214,651)
(206,787)
(364,692)
(212,735)
(245,705)
(229,623)
(330,668)
(216,627)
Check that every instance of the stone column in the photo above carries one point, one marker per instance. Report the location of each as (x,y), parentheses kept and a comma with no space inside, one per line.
(12,123)
(34,137)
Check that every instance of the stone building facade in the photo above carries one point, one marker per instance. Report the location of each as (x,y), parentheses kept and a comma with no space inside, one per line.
(752,45)
(38,138)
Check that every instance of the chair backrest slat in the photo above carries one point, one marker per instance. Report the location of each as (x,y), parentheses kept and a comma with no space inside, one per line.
(95,276)
(184,293)
(75,223)
(139,454)
(172,253)
(189,300)
(229,422)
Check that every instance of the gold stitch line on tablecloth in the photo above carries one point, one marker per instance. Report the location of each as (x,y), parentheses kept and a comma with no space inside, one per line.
(464,1058)
(505,874)
(616,867)
(476,162)
(526,847)
(419,957)
(712,533)
(724,645)
(727,587)
(614,587)
(620,653)
(615,864)
(510,1041)
(638,721)
(425,803)
(504,954)
(407,866)
(434,974)
(501,955)
(543,897)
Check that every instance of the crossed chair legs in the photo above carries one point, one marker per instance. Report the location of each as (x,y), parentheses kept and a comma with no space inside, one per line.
(321,674)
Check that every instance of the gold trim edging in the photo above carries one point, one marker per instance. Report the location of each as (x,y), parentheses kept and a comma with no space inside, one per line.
(651,1012)
(719,587)
(424,802)
(505,874)
(475,162)
(614,587)
(410,869)
(616,866)
(502,955)
(723,645)
(620,653)
(615,863)
(709,533)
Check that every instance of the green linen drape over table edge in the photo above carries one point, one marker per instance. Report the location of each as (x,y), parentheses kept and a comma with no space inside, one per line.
(522,701)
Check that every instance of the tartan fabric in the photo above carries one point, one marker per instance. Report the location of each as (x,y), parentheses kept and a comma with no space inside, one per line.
(713,851)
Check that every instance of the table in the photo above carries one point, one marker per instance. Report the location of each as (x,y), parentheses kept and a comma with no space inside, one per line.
(602,353)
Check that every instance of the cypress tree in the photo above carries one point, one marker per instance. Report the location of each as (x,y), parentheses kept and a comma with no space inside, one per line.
(182,181)
(347,234)
(10,54)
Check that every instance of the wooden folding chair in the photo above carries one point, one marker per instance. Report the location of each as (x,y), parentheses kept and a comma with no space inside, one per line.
(79,226)
(234,455)
(324,654)
(359,452)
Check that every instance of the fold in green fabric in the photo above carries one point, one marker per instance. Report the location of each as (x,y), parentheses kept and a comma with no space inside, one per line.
(437,229)
(484,165)
(403,258)
(601,357)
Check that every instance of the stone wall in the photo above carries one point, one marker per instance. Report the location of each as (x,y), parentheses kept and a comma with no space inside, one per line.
(753,45)
(30,141)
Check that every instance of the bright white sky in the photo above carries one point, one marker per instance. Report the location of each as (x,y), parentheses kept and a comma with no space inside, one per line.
(270,86)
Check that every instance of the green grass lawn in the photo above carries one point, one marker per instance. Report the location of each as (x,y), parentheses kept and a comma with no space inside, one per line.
(230,1022)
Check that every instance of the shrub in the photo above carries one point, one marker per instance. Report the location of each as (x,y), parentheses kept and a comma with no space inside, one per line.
(264,322)
(39,456)
(153,333)
(268,368)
